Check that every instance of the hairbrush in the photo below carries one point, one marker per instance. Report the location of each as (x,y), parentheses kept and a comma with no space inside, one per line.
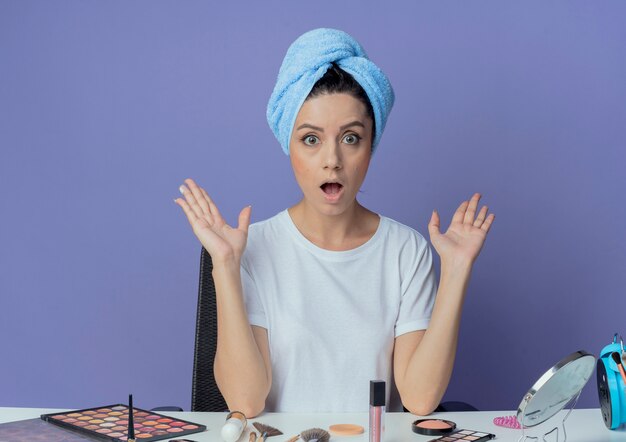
(507,422)
(266,431)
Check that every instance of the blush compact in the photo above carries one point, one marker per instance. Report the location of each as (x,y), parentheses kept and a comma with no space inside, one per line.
(433,427)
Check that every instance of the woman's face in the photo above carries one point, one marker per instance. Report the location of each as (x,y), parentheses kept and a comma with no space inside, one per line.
(330,150)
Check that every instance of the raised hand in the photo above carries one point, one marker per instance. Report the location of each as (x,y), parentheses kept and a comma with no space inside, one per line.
(223,242)
(467,232)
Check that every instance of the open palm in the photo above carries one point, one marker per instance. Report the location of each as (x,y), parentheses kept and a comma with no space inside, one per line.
(222,241)
(466,234)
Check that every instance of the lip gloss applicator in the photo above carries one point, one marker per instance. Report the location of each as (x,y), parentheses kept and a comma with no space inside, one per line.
(131,423)
(377,410)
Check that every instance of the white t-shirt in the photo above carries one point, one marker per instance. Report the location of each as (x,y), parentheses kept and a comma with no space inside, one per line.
(332,316)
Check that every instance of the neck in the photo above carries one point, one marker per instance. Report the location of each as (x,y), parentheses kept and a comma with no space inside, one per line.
(344,231)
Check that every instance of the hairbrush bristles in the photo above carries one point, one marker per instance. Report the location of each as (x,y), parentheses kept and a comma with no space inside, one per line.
(507,422)
(315,435)
(266,431)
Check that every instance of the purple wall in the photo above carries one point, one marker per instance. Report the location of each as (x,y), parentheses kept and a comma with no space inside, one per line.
(105,107)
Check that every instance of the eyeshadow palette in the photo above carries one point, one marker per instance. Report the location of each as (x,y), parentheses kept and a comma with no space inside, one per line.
(36,430)
(465,435)
(111,423)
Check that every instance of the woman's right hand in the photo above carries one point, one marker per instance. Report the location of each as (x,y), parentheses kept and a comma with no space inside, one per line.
(224,243)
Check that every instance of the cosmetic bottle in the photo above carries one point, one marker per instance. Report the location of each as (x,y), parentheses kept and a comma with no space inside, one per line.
(377,410)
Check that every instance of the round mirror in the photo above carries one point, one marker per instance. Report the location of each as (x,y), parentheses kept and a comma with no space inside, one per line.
(556,388)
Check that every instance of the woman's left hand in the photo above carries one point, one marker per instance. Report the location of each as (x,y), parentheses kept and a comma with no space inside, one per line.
(467,232)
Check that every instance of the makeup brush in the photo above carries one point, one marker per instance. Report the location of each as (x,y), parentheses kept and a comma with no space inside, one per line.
(312,435)
(315,435)
(618,361)
(266,431)
(131,423)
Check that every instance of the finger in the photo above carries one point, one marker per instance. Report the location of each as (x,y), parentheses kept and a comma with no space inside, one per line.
(471,209)
(460,212)
(191,215)
(433,225)
(487,224)
(193,203)
(244,218)
(481,216)
(197,193)
(214,210)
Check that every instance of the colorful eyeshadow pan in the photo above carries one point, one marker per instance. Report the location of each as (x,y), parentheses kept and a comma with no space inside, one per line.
(111,423)
(465,436)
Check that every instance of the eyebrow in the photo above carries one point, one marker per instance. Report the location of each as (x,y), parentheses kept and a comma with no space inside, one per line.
(310,126)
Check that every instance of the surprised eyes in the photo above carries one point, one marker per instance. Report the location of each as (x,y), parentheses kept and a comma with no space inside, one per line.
(351,139)
(312,140)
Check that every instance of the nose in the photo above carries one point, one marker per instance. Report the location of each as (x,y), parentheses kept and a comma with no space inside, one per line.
(332,156)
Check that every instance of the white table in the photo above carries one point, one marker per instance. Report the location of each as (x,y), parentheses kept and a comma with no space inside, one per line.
(583,425)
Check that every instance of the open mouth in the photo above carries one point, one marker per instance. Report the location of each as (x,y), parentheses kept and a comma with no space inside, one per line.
(331,188)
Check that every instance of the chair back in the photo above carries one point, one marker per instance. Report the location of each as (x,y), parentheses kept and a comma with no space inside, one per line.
(205,396)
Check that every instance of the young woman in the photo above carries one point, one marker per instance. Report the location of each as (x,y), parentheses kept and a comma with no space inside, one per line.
(327,295)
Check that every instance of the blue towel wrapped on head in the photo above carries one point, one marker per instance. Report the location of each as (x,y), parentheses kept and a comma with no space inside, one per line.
(307,60)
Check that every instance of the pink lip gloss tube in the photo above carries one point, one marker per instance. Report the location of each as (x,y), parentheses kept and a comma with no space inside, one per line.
(377,410)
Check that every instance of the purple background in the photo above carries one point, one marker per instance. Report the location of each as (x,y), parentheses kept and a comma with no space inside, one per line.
(105,107)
